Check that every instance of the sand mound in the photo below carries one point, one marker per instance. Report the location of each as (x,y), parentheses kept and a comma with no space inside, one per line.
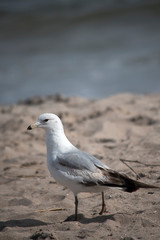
(120,127)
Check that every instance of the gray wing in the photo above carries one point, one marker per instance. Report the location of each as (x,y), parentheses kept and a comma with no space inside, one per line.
(80,160)
(89,171)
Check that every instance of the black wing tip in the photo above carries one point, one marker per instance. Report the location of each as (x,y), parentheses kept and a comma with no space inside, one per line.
(132,185)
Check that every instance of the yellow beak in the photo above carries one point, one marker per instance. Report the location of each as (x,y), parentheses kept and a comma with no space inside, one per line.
(34,125)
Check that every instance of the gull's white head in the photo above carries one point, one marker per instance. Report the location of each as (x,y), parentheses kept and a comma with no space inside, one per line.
(48,121)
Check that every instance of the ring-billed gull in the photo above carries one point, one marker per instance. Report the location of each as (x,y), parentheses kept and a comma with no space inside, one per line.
(78,170)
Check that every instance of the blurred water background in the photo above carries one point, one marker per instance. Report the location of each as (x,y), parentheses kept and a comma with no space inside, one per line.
(89,48)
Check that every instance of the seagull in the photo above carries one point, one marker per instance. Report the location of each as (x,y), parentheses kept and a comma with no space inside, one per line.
(77,170)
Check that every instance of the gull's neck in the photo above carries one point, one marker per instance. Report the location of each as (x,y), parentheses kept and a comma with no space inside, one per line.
(57,142)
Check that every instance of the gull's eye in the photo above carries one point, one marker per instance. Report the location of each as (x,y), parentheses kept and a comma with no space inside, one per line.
(46,120)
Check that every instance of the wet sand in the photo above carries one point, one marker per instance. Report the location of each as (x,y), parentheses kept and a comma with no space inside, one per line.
(124,126)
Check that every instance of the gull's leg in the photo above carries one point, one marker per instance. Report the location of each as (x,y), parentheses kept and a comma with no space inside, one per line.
(103,210)
(76,207)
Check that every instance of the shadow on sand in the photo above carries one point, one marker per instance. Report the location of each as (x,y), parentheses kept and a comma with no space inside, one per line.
(21,223)
(82,219)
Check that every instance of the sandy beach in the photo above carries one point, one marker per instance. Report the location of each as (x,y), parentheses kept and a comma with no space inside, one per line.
(123,126)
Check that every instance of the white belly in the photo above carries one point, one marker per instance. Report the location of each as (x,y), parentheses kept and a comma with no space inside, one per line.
(72,182)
